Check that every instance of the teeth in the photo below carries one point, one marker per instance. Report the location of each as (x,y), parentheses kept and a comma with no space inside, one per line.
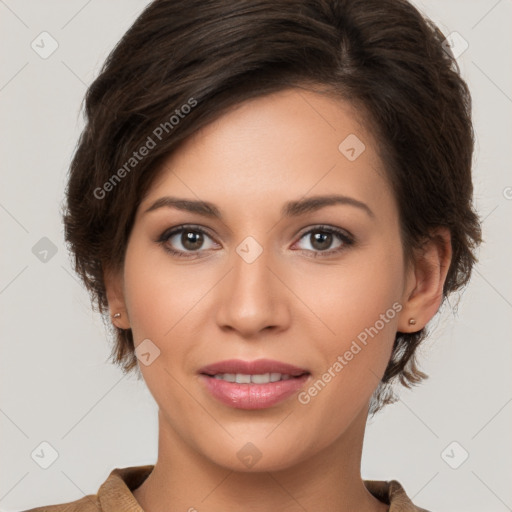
(242,378)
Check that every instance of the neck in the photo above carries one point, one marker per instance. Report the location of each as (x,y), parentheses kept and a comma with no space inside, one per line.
(184,479)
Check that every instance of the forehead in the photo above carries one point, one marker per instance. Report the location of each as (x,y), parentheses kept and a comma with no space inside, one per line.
(284,145)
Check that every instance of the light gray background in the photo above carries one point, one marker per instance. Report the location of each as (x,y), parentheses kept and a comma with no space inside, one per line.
(55,383)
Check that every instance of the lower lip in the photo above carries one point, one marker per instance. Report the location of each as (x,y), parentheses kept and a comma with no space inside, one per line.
(253,396)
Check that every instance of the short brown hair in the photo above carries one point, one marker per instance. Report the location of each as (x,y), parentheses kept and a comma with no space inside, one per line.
(210,55)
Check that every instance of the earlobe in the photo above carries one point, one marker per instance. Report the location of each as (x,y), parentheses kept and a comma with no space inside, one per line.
(115,297)
(427,276)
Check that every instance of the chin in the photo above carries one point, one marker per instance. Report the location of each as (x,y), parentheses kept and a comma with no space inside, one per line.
(245,456)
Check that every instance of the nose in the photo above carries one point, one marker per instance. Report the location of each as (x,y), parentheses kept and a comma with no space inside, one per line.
(252,297)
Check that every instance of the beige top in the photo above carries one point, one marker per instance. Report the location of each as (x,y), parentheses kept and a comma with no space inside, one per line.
(115,494)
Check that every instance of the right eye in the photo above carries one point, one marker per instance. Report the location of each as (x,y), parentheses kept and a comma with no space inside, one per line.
(191,239)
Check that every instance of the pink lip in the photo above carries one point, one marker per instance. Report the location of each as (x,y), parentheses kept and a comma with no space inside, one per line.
(257,367)
(252,396)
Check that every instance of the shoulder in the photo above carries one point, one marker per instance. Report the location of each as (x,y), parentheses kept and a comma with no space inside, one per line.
(392,493)
(88,503)
(115,493)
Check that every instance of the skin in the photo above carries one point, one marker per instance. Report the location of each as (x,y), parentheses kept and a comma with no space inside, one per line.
(286,305)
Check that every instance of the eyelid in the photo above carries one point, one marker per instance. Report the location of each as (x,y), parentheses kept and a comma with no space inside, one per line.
(327,228)
(346,238)
(181,227)
(170,232)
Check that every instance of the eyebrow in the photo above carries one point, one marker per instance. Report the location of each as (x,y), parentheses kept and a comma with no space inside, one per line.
(290,209)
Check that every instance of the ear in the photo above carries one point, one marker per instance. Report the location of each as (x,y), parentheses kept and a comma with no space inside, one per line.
(425,280)
(114,286)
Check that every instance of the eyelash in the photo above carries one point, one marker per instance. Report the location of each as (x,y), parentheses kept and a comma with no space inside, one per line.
(347,240)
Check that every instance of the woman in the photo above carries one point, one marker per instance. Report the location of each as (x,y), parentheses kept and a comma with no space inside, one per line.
(271,200)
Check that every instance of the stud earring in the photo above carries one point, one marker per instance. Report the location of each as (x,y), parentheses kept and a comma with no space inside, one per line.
(412,321)
(117,315)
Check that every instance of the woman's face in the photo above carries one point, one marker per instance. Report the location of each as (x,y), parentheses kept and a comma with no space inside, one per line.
(267,277)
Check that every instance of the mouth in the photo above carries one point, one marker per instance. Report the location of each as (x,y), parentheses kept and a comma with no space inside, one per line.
(252,384)
(245,378)
(257,367)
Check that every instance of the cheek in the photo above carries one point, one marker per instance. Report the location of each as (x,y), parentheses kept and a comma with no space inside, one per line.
(358,307)
(157,302)
(355,355)
(158,296)
(352,296)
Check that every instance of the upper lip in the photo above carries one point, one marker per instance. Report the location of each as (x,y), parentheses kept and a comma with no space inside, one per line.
(257,367)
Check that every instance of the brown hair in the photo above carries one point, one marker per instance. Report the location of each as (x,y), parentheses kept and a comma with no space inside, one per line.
(183,63)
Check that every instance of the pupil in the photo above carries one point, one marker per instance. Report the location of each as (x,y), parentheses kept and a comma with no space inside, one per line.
(191,240)
(322,238)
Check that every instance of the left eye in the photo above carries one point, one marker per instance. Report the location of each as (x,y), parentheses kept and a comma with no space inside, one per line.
(321,239)
(192,240)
